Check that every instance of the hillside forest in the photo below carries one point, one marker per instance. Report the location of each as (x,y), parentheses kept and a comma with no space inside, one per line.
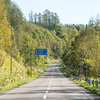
(44,30)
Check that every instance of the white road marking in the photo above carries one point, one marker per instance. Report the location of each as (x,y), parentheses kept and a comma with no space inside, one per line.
(86,94)
(80,90)
(9,93)
(47,88)
(46,91)
(12,91)
(49,84)
(44,97)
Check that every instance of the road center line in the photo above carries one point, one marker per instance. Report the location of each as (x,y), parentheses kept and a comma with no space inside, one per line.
(47,88)
(46,91)
(44,97)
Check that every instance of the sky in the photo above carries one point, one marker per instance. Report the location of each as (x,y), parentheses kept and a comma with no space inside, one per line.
(69,11)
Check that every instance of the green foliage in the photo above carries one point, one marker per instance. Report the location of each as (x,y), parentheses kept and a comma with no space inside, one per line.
(90,48)
(14,15)
(58,30)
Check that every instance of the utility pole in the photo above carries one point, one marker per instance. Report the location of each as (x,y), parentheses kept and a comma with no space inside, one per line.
(12,55)
(86,73)
(86,67)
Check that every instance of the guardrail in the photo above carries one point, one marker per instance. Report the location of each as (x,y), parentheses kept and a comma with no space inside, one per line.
(93,82)
(89,81)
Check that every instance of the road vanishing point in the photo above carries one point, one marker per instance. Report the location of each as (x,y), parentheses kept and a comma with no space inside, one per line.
(52,85)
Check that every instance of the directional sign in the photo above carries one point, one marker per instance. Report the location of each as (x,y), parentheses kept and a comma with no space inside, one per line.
(40,51)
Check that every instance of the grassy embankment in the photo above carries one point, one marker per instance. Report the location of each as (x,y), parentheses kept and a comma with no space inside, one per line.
(20,74)
(23,81)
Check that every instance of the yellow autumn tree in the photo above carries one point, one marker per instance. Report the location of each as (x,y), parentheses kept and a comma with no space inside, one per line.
(5,28)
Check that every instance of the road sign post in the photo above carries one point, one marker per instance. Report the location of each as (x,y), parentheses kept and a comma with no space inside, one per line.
(37,52)
(31,60)
(11,60)
(86,73)
(80,72)
(82,63)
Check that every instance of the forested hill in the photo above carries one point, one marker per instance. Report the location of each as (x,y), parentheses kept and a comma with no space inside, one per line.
(41,31)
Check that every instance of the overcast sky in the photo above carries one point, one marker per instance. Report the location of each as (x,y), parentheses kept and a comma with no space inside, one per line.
(69,11)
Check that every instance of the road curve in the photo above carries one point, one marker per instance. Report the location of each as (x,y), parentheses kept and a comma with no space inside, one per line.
(52,85)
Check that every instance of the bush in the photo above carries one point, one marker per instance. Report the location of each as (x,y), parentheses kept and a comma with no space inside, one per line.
(28,71)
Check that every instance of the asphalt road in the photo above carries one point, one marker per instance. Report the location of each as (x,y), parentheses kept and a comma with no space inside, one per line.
(52,85)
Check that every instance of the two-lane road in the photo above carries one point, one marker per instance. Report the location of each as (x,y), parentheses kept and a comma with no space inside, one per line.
(52,85)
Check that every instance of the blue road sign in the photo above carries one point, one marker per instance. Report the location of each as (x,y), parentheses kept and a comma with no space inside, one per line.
(40,51)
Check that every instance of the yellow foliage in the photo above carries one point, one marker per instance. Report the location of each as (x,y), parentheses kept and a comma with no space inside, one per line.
(88,60)
(18,70)
(5,29)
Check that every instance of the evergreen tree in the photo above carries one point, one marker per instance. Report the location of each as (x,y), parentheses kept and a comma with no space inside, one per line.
(56,19)
(35,18)
(31,16)
(40,18)
(91,22)
(97,21)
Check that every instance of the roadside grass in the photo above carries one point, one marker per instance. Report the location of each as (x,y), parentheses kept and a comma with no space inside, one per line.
(50,61)
(23,81)
(88,86)
(83,83)
(60,67)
